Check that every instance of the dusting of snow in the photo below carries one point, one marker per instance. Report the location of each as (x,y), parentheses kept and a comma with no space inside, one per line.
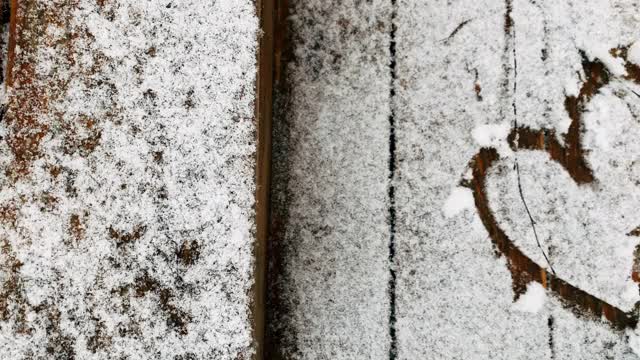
(447,276)
(128,230)
(331,169)
(533,300)
(454,297)
(460,199)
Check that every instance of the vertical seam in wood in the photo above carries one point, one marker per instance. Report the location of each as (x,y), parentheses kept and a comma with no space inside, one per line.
(264,90)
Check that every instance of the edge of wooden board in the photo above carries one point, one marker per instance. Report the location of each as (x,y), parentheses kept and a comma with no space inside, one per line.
(264,103)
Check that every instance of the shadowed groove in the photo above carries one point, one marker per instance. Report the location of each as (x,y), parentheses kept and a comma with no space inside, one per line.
(393,347)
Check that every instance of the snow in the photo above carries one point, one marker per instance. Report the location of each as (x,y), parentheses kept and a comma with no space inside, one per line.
(633,54)
(601,52)
(493,136)
(571,88)
(634,341)
(460,199)
(454,296)
(330,184)
(134,220)
(533,300)
(141,245)
(448,275)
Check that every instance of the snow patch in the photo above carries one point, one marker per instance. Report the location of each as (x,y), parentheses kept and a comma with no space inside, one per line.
(563,124)
(533,300)
(459,200)
(613,64)
(493,136)
(571,88)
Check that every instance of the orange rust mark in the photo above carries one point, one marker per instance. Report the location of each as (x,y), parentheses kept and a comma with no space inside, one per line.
(81,136)
(9,215)
(572,158)
(478,90)
(54,171)
(22,118)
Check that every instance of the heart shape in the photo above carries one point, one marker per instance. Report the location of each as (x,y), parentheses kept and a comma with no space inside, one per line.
(571,157)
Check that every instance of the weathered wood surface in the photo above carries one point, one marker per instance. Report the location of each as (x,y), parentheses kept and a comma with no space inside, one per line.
(128,193)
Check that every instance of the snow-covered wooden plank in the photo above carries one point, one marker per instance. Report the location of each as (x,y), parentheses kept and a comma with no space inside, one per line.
(128,183)
(454,297)
(517,129)
(330,247)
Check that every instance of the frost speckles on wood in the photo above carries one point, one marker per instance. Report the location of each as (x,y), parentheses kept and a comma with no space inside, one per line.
(127,201)
(331,129)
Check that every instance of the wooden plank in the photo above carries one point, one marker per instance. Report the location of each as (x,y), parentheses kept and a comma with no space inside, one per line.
(134,166)
(520,88)
(328,260)
(512,139)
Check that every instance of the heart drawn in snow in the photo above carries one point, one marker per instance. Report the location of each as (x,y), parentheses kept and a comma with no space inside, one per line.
(571,157)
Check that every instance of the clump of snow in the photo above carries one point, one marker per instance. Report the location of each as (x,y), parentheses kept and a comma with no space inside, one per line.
(614,64)
(633,54)
(493,136)
(606,129)
(571,87)
(533,300)
(460,199)
(563,125)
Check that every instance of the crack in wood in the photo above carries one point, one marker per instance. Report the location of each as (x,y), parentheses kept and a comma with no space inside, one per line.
(393,345)
(448,39)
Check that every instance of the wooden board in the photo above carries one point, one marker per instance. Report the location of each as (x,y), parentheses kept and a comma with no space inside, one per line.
(134,157)
(510,185)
